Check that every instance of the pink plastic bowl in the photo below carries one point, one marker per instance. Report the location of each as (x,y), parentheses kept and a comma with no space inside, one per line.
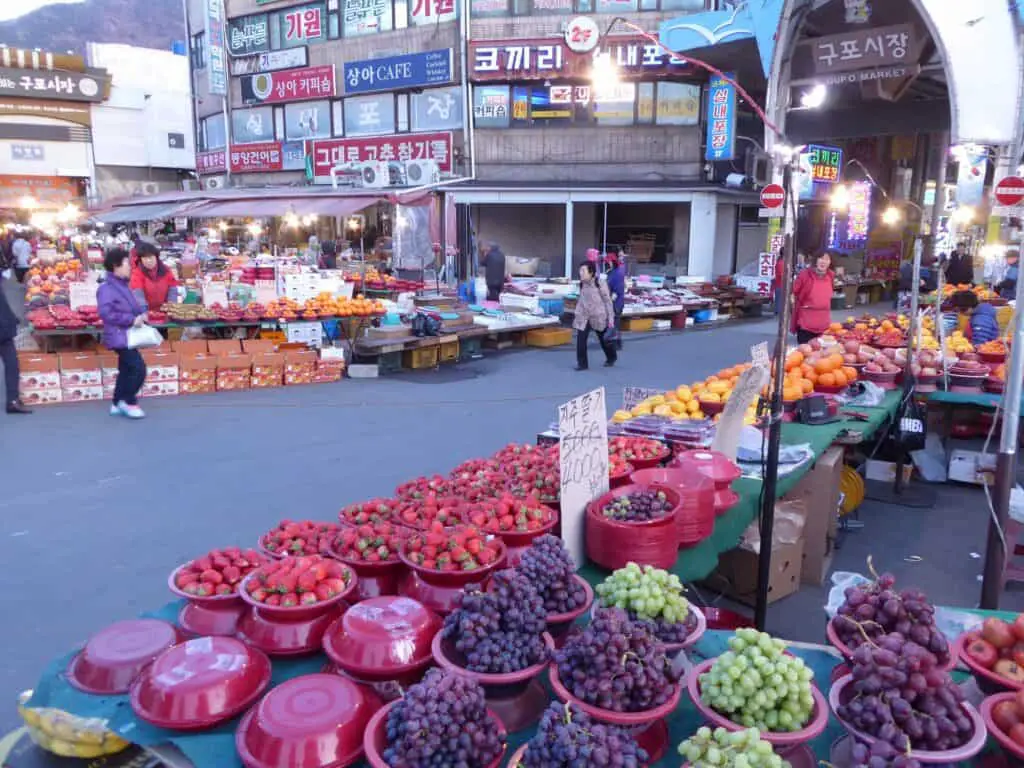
(298,612)
(559,624)
(442,651)
(952,756)
(691,640)
(833,639)
(789,739)
(624,719)
(987,706)
(988,681)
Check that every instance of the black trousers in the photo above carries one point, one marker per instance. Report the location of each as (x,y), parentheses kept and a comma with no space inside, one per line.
(618,327)
(9,355)
(20,273)
(493,293)
(131,373)
(581,346)
(802,336)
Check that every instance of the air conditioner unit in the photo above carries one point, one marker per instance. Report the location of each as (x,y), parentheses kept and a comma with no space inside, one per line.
(419,172)
(375,175)
(213,182)
(149,188)
(191,185)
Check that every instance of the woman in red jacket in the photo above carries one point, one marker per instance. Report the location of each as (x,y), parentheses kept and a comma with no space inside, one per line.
(812,300)
(152,276)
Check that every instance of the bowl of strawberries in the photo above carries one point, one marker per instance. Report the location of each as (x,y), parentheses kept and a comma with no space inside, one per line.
(516,521)
(210,585)
(371,550)
(298,537)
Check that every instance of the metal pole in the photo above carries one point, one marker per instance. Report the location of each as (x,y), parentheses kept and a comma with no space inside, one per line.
(771,475)
(604,233)
(908,374)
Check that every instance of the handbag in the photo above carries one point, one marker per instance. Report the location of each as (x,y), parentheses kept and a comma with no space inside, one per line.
(143,336)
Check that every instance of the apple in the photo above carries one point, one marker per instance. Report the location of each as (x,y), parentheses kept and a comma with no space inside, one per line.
(1016,653)
(873,368)
(1018,627)
(998,632)
(929,371)
(851,346)
(1019,701)
(1005,716)
(816,344)
(1009,670)
(849,358)
(981,652)
(806,350)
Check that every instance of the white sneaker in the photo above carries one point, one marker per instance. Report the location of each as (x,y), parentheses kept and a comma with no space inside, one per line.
(132,411)
(115,409)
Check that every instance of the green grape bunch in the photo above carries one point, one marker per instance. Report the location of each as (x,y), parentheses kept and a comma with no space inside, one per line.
(647,593)
(729,749)
(756,684)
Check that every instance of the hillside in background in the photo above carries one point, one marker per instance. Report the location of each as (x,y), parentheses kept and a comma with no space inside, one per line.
(145,23)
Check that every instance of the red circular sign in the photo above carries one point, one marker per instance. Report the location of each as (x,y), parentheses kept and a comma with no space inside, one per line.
(773,196)
(1010,191)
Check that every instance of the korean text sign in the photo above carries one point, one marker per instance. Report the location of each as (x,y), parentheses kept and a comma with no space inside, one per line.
(288,85)
(721,134)
(413,70)
(327,153)
(583,463)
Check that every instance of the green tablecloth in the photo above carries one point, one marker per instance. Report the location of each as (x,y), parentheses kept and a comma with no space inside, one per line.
(975,399)
(697,562)
(216,748)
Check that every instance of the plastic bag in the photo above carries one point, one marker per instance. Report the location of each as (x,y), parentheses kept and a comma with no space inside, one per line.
(66,735)
(930,461)
(143,337)
(871,397)
(790,517)
(841,581)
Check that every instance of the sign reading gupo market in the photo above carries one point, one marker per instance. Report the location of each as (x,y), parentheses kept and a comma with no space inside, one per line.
(54,84)
(288,85)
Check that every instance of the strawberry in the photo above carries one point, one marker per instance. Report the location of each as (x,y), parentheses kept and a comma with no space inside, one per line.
(308,598)
(260,595)
(322,592)
(211,576)
(273,600)
(191,588)
(289,600)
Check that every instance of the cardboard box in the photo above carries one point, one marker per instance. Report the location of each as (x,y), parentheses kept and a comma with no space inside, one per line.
(161,365)
(193,347)
(267,370)
(108,391)
(736,574)
(972,467)
(818,491)
(328,371)
(225,346)
(233,372)
(252,346)
(38,372)
(197,374)
(42,396)
(299,367)
(885,471)
(159,389)
(81,393)
(108,368)
(79,369)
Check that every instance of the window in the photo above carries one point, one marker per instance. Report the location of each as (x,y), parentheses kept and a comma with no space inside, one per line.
(366,17)
(370,115)
(307,120)
(437,109)
(402,102)
(481,9)
(252,125)
(198,51)
(615,105)
(491,106)
(678,104)
(644,103)
(338,117)
(212,133)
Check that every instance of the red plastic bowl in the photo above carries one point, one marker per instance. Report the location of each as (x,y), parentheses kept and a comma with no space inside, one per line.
(278,555)
(613,543)
(988,681)
(298,612)
(787,739)
(725,499)
(987,706)
(663,453)
(200,683)
(695,519)
(307,722)
(113,658)
(517,542)
(292,637)
(375,738)
(211,615)
(455,578)
(383,638)
(693,637)
(559,624)
(440,590)
(621,478)
(375,579)
(839,645)
(709,463)
(973,746)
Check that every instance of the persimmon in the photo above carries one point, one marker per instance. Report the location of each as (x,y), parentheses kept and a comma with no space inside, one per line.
(850,373)
(839,378)
(807,386)
(827,379)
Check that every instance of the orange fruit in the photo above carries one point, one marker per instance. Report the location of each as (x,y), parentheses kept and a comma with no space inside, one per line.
(840,378)
(789,394)
(822,366)
(807,386)
(794,360)
(850,373)
(827,379)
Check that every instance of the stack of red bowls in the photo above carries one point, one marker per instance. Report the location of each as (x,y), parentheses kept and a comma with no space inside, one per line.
(715,466)
(695,519)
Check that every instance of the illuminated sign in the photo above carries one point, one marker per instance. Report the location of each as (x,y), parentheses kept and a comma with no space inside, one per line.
(826,163)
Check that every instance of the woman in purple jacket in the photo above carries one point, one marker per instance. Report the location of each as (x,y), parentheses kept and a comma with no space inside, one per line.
(121,310)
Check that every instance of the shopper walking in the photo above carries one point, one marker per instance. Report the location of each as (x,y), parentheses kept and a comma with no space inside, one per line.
(9,355)
(617,288)
(492,259)
(21,250)
(594,311)
(121,310)
(812,300)
(960,267)
(1007,287)
(152,276)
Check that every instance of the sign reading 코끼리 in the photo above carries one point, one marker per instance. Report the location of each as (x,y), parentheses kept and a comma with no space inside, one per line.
(826,163)
(583,463)
(327,153)
(504,60)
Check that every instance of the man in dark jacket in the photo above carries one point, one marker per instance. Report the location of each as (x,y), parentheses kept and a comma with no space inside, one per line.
(493,261)
(9,355)
(960,269)
(617,288)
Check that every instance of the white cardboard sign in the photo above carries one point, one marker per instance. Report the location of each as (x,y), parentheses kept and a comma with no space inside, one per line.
(633,396)
(583,463)
(83,294)
(215,293)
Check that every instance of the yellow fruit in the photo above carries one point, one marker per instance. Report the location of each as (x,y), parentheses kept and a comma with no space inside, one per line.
(642,410)
(657,400)
(678,407)
(711,397)
(718,387)
(693,407)
(663,410)
(620,416)
(683,393)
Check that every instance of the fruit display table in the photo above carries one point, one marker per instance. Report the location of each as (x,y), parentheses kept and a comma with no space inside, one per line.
(215,748)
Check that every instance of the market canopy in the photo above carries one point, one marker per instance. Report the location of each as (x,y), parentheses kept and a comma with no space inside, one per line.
(266,207)
(148,212)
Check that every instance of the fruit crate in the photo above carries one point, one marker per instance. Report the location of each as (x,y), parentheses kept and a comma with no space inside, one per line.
(548,337)
(389,362)
(470,348)
(417,359)
(448,351)
(635,324)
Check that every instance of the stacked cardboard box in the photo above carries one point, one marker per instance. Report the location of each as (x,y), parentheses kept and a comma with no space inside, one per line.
(162,372)
(234,372)
(198,373)
(299,366)
(267,369)
(80,377)
(40,378)
(108,372)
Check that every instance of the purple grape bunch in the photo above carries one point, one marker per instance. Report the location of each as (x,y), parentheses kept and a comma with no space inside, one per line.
(874,610)
(548,565)
(881,754)
(499,631)
(901,697)
(442,722)
(616,664)
(638,507)
(567,737)
(670,632)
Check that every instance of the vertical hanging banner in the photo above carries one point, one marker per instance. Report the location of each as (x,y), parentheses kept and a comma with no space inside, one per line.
(215,47)
(583,463)
(721,136)
(970,177)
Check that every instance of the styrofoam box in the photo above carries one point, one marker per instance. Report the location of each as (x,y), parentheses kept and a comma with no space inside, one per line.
(82,393)
(661,325)
(108,376)
(37,380)
(41,396)
(108,390)
(972,467)
(885,471)
(162,373)
(159,388)
(85,377)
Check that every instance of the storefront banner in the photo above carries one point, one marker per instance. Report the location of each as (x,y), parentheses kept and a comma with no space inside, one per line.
(215,48)
(970,178)
(293,156)
(248,34)
(288,85)
(328,153)
(864,48)
(433,11)
(252,125)
(57,110)
(271,61)
(308,120)
(437,109)
(211,162)
(721,135)
(49,191)
(53,84)
(392,73)
(256,158)
(305,24)
(363,17)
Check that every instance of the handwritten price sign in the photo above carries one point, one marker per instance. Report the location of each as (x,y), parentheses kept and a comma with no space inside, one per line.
(583,463)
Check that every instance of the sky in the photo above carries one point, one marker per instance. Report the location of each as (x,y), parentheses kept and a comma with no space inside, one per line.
(12,9)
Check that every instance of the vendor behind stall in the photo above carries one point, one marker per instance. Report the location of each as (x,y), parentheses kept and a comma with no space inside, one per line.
(151,276)
(983,323)
(812,300)
(960,267)
(1007,287)
(493,261)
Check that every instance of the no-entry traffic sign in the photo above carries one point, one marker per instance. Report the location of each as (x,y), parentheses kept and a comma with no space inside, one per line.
(1008,192)
(773,196)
